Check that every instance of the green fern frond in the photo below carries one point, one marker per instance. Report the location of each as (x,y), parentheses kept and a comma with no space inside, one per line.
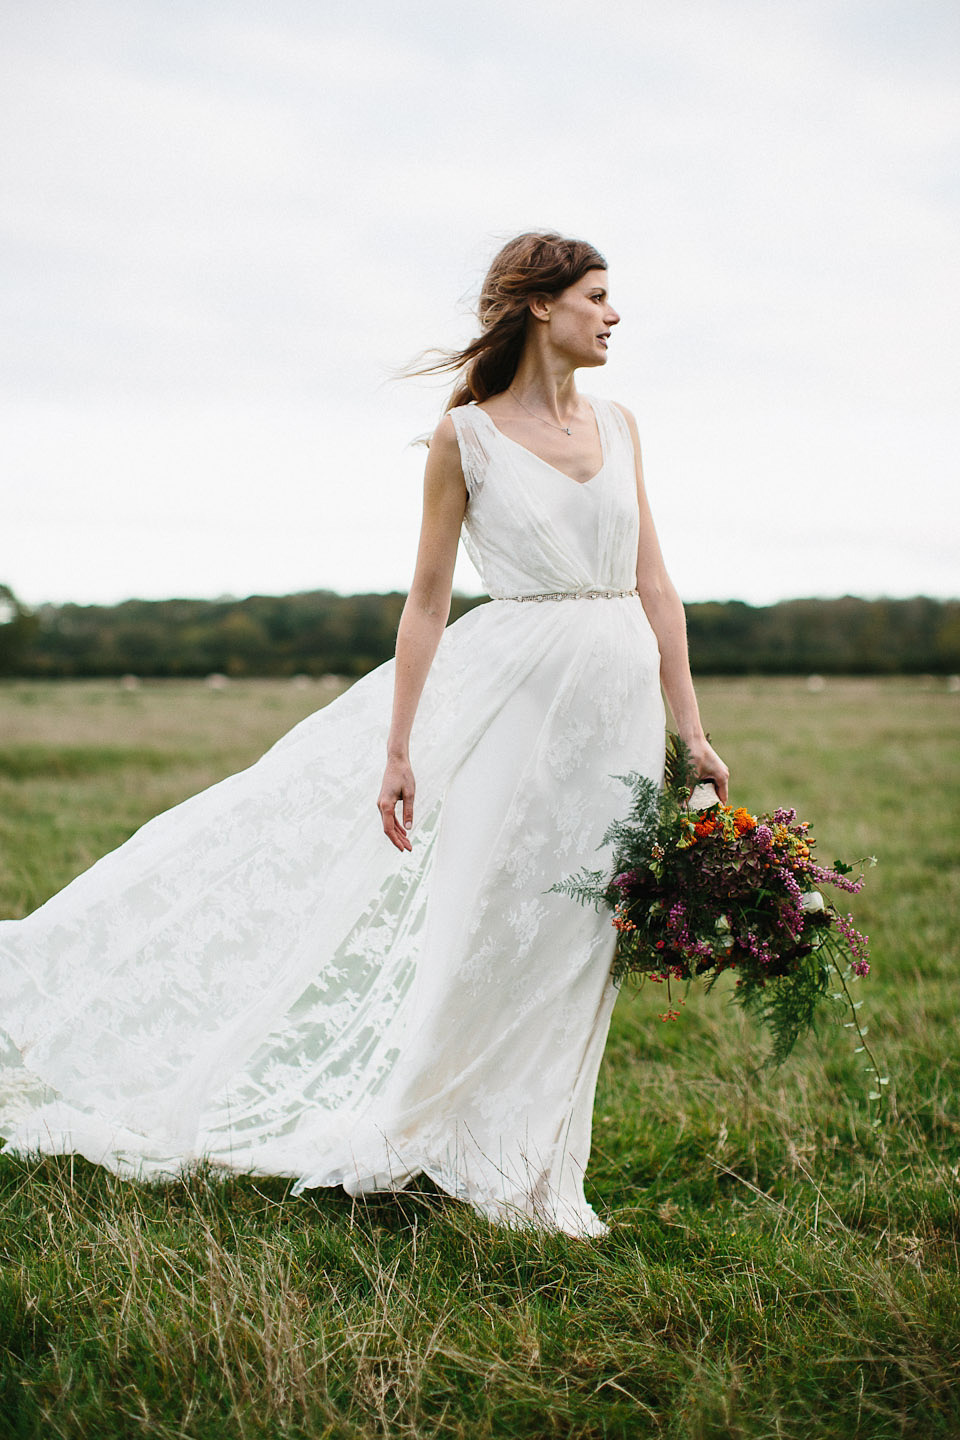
(679,771)
(587,887)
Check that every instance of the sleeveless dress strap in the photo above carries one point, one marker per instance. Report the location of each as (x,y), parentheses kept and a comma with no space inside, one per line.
(474,455)
(613,424)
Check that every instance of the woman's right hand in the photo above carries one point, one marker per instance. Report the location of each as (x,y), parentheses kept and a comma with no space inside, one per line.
(398,786)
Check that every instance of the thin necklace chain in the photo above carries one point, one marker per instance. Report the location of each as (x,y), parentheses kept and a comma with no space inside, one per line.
(565,428)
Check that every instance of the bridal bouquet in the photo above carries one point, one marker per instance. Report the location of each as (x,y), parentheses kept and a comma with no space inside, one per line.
(699,889)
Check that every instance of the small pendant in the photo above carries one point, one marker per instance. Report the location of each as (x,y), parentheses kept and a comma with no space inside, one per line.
(566,429)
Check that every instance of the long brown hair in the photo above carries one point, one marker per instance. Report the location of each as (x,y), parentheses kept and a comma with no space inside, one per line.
(527,266)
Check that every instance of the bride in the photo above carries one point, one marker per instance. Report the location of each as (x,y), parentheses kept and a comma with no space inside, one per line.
(256,978)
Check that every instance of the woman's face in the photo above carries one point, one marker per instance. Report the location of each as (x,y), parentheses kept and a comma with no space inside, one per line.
(581,318)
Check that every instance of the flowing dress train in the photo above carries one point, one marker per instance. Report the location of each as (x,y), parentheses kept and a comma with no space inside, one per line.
(258,978)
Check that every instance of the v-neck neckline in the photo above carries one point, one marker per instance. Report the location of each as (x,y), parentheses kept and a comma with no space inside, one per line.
(581,484)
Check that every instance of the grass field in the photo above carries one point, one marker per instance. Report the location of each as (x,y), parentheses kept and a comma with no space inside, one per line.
(777,1266)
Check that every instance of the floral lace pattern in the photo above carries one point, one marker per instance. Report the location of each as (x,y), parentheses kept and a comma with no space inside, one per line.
(258,978)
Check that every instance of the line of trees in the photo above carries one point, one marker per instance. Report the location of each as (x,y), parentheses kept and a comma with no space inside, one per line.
(325,633)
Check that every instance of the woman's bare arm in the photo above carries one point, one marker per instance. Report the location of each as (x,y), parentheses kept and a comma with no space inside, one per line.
(664,610)
(422,622)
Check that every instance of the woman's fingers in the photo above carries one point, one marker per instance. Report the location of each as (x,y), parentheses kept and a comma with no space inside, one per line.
(398,789)
(711,767)
(395,832)
(400,837)
(720,776)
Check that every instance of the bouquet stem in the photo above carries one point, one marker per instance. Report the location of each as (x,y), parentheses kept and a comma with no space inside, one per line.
(879,1094)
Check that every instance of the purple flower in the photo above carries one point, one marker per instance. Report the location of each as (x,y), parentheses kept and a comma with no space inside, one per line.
(823,876)
(790,885)
(858,943)
(756,947)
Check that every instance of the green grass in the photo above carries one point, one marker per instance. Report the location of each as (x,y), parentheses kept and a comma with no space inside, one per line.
(777,1267)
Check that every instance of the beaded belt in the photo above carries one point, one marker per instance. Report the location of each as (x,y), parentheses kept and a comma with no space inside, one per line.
(574,595)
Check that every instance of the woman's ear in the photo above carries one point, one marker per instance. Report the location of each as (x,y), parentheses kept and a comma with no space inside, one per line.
(540,307)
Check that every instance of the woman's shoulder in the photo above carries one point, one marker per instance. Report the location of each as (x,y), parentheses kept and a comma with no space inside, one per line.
(457,441)
(444,436)
(492,406)
(457,428)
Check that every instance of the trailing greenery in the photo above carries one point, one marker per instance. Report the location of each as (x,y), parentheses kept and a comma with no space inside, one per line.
(324,633)
(777,1269)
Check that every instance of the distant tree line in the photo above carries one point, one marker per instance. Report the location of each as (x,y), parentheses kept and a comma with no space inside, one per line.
(325,633)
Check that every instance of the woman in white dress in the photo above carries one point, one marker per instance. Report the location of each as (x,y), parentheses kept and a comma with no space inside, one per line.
(257,978)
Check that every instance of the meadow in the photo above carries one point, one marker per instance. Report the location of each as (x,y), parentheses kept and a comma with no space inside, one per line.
(779,1265)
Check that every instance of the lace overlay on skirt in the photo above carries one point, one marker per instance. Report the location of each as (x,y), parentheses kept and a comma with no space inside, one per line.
(258,978)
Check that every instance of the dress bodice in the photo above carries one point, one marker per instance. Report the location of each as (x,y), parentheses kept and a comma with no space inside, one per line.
(529,528)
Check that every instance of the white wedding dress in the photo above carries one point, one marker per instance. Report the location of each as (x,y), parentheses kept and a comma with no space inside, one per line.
(257,977)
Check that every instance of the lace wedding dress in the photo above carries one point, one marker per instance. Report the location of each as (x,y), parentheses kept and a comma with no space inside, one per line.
(259,978)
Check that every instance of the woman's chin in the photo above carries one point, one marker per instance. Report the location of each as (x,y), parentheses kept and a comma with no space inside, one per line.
(591,361)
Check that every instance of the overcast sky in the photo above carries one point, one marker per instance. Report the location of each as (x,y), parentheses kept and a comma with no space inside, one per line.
(224,223)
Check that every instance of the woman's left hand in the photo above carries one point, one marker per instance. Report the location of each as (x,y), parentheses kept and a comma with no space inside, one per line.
(709,766)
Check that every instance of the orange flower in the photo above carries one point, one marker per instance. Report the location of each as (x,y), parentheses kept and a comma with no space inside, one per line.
(743,821)
(703,828)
